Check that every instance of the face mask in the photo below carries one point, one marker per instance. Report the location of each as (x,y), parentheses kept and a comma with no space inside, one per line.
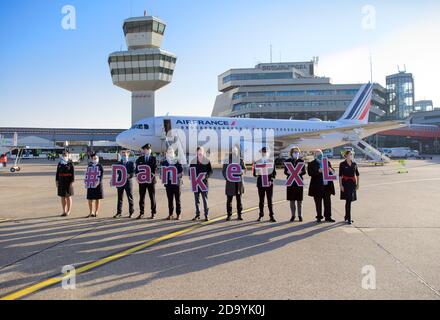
(295,155)
(123,158)
(147,152)
(64,159)
(318,157)
(95,161)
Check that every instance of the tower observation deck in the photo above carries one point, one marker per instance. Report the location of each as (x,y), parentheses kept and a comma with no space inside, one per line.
(144,67)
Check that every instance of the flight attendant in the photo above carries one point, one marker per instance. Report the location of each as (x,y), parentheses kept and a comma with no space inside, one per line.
(128,187)
(95,194)
(234,189)
(262,190)
(295,193)
(147,159)
(349,182)
(65,176)
(202,165)
(320,190)
(173,190)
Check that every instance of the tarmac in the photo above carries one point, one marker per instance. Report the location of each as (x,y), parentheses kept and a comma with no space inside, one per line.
(390,252)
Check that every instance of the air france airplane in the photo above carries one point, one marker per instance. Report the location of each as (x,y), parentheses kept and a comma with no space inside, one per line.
(307,134)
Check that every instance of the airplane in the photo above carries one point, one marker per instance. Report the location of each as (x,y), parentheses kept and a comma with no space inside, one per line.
(308,135)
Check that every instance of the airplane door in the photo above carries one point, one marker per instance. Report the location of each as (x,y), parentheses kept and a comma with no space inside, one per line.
(167,125)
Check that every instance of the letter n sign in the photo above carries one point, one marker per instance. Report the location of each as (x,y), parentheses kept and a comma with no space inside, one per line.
(170,172)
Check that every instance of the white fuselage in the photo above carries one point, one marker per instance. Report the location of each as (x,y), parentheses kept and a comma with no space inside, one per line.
(154,130)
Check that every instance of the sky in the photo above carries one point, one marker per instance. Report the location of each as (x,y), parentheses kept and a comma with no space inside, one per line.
(52,77)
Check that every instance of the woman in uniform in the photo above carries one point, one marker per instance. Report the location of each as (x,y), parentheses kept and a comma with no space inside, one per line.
(64,178)
(95,193)
(349,182)
(295,193)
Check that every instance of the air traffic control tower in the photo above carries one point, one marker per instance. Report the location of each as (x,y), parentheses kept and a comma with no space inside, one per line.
(144,67)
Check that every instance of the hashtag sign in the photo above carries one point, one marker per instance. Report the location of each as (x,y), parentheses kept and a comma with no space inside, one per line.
(92,178)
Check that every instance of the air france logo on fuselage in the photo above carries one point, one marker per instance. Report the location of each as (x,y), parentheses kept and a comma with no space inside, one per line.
(207,122)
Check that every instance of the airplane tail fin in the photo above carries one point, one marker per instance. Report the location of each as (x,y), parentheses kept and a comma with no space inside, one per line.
(359,108)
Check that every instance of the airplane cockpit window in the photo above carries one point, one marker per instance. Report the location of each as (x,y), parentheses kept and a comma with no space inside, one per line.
(141,126)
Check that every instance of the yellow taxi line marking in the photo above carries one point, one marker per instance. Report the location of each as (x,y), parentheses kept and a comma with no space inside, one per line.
(54,280)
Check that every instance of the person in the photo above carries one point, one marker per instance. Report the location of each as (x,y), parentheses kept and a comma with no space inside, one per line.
(173,190)
(128,187)
(320,190)
(65,177)
(95,193)
(265,191)
(234,189)
(147,159)
(3,160)
(295,193)
(349,183)
(201,165)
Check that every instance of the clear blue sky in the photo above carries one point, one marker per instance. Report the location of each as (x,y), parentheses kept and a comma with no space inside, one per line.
(57,78)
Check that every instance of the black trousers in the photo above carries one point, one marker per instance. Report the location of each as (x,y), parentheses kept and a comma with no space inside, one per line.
(173,193)
(151,193)
(268,193)
(128,189)
(229,204)
(347,210)
(326,199)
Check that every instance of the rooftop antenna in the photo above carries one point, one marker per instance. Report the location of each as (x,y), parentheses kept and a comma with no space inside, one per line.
(271,53)
(131,8)
(145,13)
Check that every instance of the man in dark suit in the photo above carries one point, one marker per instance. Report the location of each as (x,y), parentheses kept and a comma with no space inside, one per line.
(265,191)
(319,189)
(128,187)
(147,159)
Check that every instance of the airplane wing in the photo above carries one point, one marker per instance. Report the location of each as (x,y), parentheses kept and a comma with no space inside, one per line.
(369,129)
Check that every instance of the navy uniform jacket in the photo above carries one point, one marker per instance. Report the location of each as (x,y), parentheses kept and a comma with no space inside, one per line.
(152,162)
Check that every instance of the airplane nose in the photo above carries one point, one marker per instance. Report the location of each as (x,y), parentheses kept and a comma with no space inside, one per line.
(121,139)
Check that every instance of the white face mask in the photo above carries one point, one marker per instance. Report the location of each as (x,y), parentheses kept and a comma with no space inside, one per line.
(295,155)
(95,161)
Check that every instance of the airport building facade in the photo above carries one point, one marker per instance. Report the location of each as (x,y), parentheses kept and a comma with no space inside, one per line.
(401,96)
(288,90)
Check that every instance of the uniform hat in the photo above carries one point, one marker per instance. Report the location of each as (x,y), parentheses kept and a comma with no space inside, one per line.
(147,146)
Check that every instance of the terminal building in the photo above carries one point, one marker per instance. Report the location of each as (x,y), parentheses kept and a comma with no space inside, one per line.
(288,90)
